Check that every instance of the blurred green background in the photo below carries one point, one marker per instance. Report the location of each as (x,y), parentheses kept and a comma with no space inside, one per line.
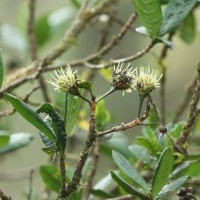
(53,18)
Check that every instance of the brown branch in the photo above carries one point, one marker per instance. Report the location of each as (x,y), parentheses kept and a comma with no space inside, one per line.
(115,41)
(95,160)
(31,72)
(185,101)
(83,17)
(123,127)
(62,193)
(73,184)
(4,197)
(193,113)
(30,29)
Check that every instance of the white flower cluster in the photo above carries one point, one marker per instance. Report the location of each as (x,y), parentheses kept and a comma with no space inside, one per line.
(64,81)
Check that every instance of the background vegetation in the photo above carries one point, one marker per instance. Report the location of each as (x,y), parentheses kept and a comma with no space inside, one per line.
(92,36)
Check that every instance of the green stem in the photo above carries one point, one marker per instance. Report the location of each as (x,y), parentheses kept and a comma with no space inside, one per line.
(65,114)
(142,97)
(112,89)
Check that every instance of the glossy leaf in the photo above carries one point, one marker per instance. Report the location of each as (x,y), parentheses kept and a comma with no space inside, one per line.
(150,15)
(16,141)
(1,68)
(51,146)
(162,170)
(187,30)
(127,187)
(141,154)
(4,139)
(171,187)
(51,177)
(73,107)
(30,115)
(129,170)
(174,14)
(57,124)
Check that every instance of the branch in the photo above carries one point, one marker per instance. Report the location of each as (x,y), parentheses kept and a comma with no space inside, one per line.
(30,29)
(4,197)
(95,160)
(185,101)
(123,127)
(193,113)
(83,17)
(163,80)
(73,184)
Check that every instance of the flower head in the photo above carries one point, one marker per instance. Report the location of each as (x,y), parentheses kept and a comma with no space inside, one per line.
(65,81)
(146,80)
(122,78)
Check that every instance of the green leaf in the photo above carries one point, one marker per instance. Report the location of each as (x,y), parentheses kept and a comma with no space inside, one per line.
(150,15)
(1,68)
(168,43)
(57,124)
(102,194)
(129,170)
(51,177)
(51,146)
(175,13)
(141,154)
(102,116)
(171,187)
(42,36)
(187,29)
(127,187)
(30,115)
(4,139)
(85,85)
(16,141)
(117,142)
(190,169)
(162,170)
(73,107)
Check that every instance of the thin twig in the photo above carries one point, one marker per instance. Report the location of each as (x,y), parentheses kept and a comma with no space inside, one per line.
(123,127)
(185,101)
(193,113)
(30,185)
(95,159)
(105,49)
(163,80)
(30,29)
(72,33)
(3,196)
(25,99)
(32,72)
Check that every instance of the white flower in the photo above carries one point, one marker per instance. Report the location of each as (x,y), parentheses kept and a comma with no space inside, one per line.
(64,81)
(122,78)
(145,80)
